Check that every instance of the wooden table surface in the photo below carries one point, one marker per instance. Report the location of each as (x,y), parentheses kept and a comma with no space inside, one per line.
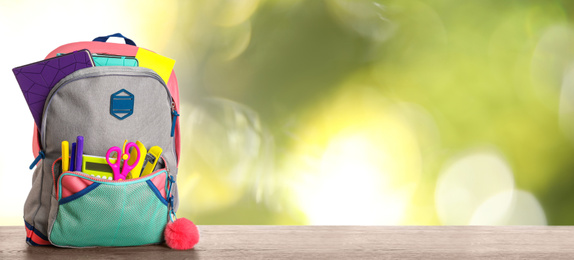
(330,242)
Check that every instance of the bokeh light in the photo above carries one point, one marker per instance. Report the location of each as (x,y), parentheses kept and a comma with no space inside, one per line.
(468,181)
(231,151)
(510,207)
(356,155)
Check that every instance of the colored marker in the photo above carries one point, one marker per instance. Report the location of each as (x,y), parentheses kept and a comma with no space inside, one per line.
(73,158)
(79,152)
(65,156)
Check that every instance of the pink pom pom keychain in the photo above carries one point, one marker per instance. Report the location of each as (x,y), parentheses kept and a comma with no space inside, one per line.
(180,234)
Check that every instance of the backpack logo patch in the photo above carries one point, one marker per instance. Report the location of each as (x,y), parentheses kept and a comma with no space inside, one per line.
(122,104)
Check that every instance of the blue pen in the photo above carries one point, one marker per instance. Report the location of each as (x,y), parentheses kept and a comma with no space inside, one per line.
(79,152)
(73,158)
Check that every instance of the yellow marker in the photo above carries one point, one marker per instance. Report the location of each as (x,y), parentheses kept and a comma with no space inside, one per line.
(160,64)
(65,156)
(135,172)
(151,159)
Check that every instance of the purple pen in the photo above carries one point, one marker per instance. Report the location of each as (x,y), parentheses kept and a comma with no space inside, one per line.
(73,158)
(79,152)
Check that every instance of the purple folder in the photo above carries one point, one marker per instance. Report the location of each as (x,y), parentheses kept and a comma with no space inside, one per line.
(37,79)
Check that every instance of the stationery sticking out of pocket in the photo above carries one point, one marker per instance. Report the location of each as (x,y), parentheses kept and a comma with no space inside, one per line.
(114,60)
(38,78)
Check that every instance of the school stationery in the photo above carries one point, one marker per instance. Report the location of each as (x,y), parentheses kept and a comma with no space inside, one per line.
(121,170)
(163,66)
(114,60)
(73,158)
(98,167)
(37,79)
(136,171)
(65,156)
(153,155)
(79,152)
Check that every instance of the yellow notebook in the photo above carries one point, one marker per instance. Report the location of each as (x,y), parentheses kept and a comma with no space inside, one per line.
(160,64)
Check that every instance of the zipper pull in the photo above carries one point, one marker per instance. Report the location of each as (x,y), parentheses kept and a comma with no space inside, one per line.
(173,118)
(170,185)
(169,196)
(41,155)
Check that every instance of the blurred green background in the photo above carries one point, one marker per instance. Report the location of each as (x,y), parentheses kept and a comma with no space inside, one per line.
(436,112)
(376,112)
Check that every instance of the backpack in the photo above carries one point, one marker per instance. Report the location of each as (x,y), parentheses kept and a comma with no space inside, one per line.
(106,106)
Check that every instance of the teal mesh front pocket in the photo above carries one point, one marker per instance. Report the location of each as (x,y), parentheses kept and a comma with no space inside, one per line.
(125,213)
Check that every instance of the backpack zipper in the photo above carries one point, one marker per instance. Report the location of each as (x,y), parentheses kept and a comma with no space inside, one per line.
(150,176)
(40,156)
(173,118)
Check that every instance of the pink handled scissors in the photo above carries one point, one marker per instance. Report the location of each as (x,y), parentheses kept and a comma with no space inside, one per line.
(122,156)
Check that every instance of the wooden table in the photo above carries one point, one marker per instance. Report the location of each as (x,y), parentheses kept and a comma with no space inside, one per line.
(330,242)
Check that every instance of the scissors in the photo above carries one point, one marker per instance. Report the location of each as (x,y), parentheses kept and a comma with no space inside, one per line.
(122,156)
